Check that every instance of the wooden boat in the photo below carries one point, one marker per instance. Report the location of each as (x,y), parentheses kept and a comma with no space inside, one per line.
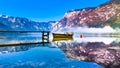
(66,36)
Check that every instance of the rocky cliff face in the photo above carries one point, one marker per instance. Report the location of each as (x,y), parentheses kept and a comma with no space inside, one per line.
(105,14)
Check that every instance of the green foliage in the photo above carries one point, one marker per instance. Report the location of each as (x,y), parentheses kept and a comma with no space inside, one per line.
(115,1)
(114,22)
(96,25)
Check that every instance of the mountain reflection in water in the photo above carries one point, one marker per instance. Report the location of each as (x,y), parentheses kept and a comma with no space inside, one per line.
(39,57)
(107,55)
(62,54)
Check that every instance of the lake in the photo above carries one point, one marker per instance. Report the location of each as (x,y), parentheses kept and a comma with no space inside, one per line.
(56,54)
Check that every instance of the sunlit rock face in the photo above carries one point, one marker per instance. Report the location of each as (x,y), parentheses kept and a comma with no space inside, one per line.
(105,14)
(105,55)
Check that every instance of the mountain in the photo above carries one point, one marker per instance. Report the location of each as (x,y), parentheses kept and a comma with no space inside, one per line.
(17,23)
(97,17)
(2,27)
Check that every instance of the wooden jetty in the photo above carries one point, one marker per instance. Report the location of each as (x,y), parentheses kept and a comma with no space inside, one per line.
(45,38)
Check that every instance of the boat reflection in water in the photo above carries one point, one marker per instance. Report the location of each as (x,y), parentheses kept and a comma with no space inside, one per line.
(60,37)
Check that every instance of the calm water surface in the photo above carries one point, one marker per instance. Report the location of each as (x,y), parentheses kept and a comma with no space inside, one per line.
(53,55)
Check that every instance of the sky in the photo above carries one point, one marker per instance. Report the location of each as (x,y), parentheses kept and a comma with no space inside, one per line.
(44,10)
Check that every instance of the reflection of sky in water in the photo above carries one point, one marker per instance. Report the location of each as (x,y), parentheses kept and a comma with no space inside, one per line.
(41,57)
(35,37)
(106,40)
(19,38)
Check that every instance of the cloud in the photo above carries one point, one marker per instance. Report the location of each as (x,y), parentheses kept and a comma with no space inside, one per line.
(106,29)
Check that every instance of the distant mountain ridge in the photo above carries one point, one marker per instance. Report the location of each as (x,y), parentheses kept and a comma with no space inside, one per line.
(17,23)
(107,14)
